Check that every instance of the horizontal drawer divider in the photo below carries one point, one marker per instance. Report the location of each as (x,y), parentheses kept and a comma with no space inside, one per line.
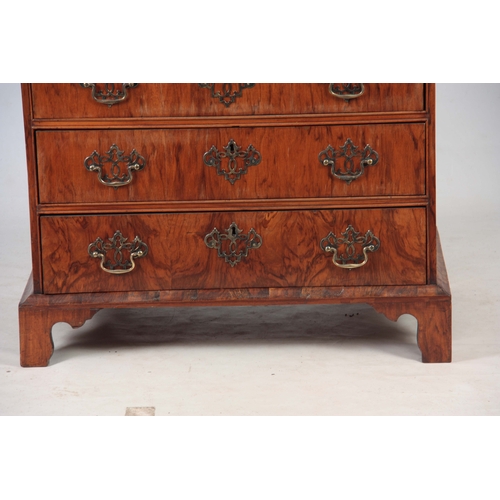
(240,205)
(229,121)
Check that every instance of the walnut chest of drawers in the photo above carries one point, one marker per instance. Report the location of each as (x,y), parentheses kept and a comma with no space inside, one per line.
(155,195)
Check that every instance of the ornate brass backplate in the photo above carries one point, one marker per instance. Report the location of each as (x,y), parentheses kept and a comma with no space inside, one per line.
(232,245)
(111,160)
(109,93)
(238,161)
(112,253)
(348,152)
(344,250)
(225,92)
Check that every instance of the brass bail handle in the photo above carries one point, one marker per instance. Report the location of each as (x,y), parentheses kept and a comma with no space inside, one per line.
(118,165)
(328,162)
(369,248)
(348,156)
(116,245)
(347,91)
(349,239)
(133,255)
(110,95)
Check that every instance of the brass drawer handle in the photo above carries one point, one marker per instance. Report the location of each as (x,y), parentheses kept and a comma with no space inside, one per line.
(117,263)
(329,156)
(238,160)
(110,94)
(348,258)
(96,163)
(225,91)
(233,246)
(347,91)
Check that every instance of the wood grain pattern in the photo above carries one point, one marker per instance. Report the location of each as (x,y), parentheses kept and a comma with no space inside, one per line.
(290,199)
(372,295)
(289,166)
(35,327)
(32,189)
(178,257)
(430,304)
(434,325)
(430,143)
(172,99)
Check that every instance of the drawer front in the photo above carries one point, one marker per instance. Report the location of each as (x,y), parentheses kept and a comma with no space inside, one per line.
(233,250)
(232,163)
(192,99)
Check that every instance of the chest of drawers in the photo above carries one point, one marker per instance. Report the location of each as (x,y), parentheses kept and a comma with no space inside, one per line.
(157,195)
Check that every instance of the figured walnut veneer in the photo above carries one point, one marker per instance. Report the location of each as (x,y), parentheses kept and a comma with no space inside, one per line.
(288,200)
